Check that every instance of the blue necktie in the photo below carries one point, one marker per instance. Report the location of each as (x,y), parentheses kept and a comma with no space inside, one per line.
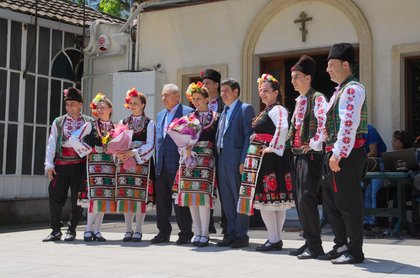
(222,128)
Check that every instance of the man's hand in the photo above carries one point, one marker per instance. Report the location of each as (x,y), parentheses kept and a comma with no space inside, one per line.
(306,148)
(51,173)
(266,149)
(241,168)
(333,162)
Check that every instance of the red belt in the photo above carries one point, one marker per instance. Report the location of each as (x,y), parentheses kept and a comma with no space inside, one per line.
(265,137)
(358,143)
(68,156)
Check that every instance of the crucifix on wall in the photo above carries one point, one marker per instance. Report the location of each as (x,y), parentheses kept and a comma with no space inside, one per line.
(303,17)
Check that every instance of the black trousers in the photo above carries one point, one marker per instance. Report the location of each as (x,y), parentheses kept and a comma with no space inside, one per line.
(343,200)
(164,201)
(67,176)
(307,171)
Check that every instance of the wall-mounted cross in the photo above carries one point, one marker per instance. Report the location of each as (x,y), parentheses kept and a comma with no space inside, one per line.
(303,17)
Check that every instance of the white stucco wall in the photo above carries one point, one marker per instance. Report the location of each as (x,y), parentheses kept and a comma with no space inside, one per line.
(214,33)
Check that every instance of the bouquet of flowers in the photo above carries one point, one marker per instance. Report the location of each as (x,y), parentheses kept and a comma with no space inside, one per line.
(185,132)
(119,140)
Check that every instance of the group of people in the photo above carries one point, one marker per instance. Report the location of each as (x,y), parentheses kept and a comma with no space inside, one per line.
(266,161)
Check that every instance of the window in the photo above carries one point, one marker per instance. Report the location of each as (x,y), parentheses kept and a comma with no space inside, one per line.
(412,85)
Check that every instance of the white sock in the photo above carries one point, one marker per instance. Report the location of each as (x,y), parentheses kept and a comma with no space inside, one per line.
(205,221)
(195,215)
(270,221)
(90,219)
(342,248)
(280,219)
(98,222)
(128,216)
(139,221)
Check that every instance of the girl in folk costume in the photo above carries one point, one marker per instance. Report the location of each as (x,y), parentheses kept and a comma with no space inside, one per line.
(88,141)
(135,187)
(266,181)
(195,182)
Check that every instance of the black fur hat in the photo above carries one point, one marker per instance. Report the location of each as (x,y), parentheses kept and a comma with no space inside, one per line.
(306,65)
(342,51)
(211,74)
(74,94)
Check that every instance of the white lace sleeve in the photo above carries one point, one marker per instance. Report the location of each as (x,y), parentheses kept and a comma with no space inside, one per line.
(320,111)
(278,114)
(76,140)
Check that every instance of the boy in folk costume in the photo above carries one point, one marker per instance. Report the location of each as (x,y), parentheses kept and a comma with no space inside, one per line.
(307,123)
(64,167)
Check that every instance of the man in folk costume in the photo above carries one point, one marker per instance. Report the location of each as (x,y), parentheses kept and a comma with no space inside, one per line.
(346,157)
(211,81)
(167,162)
(307,123)
(64,167)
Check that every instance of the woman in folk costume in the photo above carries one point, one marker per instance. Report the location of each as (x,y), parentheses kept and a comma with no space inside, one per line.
(195,184)
(100,165)
(266,181)
(135,187)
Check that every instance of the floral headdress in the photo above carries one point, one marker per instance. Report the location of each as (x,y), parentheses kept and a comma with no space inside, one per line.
(266,77)
(94,104)
(193,88)
(131,93)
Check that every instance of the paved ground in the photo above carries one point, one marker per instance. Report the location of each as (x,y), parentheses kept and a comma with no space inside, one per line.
(22,254)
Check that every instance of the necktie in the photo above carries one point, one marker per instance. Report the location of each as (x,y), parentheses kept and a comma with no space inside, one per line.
(165,123)
(221,128)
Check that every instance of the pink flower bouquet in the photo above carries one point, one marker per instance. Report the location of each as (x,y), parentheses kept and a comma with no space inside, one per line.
(185,132)
(119,140)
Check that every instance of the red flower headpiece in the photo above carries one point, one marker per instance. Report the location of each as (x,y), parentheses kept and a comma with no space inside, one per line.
(266,77)
(130,93)
(94,104)
(193,88)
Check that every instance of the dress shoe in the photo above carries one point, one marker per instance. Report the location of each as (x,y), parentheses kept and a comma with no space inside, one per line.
(159,239)
(298,251)
(268,246)
(226,242)
(212,230)
(196,240)
(70,235)
(183,240)
(98,236)
(308,254)
(204,241)
(88,236)
(54,236)
(331,255)
(240,243)
(128,236)
(347,259)
(137,237)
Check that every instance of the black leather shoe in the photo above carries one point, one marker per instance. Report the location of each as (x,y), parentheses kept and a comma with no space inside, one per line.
(183,240)
(226,242)
(128,236)
(268,246)
(159,239)
(196,240)
(54,236)
(98,236)
(137,237)
(347,259)
(70,236)
(331,255)
(308,254)
(88,236)
(204,243)
(298,251)
(240,243)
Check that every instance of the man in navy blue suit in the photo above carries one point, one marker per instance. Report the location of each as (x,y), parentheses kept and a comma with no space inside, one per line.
(232,140)
(167,161)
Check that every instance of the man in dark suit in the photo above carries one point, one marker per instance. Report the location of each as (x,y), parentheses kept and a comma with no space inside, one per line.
(167,161)
(232,140)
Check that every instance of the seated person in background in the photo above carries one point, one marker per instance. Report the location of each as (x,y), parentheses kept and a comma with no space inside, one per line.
(374,146)
(401,139)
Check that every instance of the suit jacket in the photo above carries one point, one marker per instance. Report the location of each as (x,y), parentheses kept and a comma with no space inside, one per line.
(166,150)
(237,135)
